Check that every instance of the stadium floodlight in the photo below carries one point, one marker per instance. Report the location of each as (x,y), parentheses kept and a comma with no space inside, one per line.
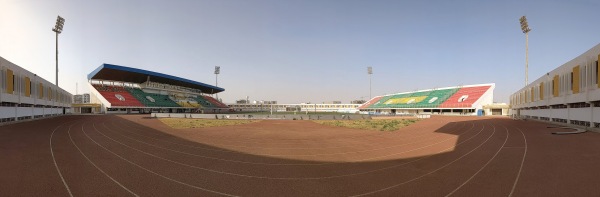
(217,72)
(370,72)
(58,27)
(525,28)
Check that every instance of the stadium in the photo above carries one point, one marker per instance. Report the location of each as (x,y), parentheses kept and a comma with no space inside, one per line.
(120,89)
(143,132)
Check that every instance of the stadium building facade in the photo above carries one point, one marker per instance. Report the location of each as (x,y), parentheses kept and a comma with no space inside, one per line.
(302,107)
(459,100)
(120,89)
(569,94)
(24,95)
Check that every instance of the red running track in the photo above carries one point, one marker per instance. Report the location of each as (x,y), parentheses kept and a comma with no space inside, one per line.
(441,156)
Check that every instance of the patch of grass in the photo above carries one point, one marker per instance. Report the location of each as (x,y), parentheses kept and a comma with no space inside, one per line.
(184,123)
(292,113)
(379,125)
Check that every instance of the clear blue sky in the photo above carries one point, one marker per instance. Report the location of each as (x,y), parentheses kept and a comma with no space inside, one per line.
(303,51)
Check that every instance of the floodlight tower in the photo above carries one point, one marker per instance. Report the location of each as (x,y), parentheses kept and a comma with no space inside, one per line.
(370,72)
(217,72)
(525,28)
(60,22)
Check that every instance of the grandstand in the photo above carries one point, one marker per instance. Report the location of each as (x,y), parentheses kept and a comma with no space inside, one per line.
(460,100)
(120,89)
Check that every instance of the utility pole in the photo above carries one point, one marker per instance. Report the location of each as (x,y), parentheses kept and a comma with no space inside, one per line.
(370,72)
(217,72)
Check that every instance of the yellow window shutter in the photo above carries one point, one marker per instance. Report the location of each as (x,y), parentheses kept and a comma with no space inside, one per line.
(27,87)
(575,79)
(532,95)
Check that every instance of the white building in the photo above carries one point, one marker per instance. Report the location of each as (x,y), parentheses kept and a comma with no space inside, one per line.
(569,94)
(24,95)
(303,107)
(81,98)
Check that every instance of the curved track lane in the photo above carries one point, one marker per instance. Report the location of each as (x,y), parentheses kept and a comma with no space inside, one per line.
(441,156)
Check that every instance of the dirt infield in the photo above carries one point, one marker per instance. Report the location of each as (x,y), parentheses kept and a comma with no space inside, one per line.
(440,156)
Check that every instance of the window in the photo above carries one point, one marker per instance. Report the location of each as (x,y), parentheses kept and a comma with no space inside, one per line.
(16,82)
(553,88)
(583,78)
(571,84)
(12,89)
(2,79)
(561,84)
(31,91)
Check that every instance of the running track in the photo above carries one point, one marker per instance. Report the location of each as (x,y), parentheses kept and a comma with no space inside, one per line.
(441,156)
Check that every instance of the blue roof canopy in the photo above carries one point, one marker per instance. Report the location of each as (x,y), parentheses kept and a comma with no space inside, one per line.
(133,75)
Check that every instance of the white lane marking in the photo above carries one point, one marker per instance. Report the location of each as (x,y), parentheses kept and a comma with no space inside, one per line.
(520,168)
(88,159)
(330,154)
(277,178)
(438,169)
(152,172)
(482,167)
(218,159)
(240,146)
(54,160)
(298,164)
(383,156)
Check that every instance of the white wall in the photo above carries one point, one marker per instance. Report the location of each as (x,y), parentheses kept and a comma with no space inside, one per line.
(96,97)
(29,112)
(7,112)
(24,111)
(38,111)
(596,115)
(485,99)
(558,113)
(581,114)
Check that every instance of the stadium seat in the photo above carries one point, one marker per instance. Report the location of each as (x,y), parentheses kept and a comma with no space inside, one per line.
(215,102)
(469,95)
(371,102)
(424,99)
(203,102)
(117,96)
(188,104)
(154,100)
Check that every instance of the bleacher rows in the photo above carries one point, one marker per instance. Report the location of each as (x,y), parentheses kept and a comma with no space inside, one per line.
(136,97)
(463,97)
